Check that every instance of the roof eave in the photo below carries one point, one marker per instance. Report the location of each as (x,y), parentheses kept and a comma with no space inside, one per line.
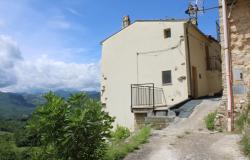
(166,20)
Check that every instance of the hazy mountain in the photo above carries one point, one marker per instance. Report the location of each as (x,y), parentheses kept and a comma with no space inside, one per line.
(22,104)
(14,105)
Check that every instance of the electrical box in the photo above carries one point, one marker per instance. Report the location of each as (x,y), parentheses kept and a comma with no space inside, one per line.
(238,74)
(240,89)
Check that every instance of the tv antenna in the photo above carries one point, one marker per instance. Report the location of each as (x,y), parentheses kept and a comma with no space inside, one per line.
(194,8)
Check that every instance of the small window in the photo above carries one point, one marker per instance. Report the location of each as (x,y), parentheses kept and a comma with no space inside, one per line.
(167,33)
(207,58)
(166,77)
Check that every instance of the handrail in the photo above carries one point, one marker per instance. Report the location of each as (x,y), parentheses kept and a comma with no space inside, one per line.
(147,95)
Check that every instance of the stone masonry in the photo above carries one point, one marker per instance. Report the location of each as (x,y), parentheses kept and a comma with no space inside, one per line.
(239,33)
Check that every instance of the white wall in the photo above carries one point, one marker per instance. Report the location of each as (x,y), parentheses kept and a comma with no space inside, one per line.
(119,65)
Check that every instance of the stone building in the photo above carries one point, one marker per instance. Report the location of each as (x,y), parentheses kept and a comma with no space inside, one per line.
(239,47)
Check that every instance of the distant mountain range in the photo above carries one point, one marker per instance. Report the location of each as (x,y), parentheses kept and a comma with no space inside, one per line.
(18,105)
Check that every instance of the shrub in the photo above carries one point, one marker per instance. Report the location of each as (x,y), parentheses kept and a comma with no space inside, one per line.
(245,141)
(7,151)
(117,151)
(75,129)
(210,120)
(243,118)
(242,125)
(120,133)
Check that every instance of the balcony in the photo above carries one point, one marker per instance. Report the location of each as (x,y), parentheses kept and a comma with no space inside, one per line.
(145,97)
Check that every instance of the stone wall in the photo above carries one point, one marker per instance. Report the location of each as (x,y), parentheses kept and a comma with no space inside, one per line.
(140,120)
(239,31)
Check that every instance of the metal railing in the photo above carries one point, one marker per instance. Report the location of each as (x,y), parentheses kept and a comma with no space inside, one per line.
(146,95)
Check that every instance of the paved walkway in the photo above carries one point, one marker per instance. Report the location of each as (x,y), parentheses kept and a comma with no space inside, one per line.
(187,139)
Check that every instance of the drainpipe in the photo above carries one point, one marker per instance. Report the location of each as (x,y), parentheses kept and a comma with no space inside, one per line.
(228,68)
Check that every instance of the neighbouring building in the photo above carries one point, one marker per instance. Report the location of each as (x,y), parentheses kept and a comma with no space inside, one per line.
(239,47)
(151,65)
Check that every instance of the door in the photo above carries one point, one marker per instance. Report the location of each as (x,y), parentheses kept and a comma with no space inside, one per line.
(194,82)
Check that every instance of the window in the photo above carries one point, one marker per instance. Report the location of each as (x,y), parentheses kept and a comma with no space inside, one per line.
(167,33)
(166,77)
(207,58)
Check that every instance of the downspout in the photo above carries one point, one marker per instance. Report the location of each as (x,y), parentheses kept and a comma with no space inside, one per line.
(230,115)
(189,61)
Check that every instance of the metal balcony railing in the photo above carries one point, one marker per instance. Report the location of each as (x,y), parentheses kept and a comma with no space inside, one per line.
(146,95)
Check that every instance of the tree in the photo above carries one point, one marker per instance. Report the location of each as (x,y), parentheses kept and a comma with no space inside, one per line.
(71,129)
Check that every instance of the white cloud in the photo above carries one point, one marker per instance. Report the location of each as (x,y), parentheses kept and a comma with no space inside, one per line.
(18,74)
(60,22)
(9,55)
(73,11)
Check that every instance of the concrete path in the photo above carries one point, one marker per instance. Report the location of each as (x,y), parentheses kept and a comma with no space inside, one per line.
(187,139)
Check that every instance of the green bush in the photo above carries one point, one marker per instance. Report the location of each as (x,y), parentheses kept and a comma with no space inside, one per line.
(8,151)
(117,151)
(210,120)
(242,125)
(75,129)
(245,141)
(242,119)
(120,133)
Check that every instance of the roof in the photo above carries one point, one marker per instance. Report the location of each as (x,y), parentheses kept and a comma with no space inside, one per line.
(159,20)
(209,37)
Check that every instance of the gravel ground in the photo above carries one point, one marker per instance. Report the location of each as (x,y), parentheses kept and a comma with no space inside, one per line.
(188,139)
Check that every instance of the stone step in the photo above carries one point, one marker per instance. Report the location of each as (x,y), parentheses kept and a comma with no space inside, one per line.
(158,122)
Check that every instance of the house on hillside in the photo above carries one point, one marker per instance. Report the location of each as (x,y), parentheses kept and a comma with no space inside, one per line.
(151,65)
(238,17)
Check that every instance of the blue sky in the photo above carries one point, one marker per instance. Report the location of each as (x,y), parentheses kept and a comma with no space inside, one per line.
(49,34)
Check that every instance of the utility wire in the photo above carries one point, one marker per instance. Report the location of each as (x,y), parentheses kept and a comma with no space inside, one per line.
(160,51)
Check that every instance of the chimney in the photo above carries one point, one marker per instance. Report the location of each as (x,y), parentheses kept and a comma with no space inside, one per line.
(125,22)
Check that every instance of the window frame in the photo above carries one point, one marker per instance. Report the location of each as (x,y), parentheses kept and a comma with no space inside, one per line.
(208,61)
(167,33)
(163,80)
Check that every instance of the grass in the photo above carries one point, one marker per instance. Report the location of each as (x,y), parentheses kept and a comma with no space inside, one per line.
(210,121)
(243,125)
(245,142)
(242,119)
(119,149)
(120,133)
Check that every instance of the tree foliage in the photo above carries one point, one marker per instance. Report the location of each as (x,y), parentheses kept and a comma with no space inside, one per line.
(71,129)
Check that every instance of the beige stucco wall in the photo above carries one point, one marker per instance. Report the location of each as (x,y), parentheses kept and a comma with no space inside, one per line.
(214,82)
(206,78)
(122,66)
(119,65)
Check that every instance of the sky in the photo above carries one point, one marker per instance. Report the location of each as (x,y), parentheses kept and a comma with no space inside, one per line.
(55,44)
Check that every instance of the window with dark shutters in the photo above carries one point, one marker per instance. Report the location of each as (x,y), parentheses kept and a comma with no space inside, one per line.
(166,77)
(167,33)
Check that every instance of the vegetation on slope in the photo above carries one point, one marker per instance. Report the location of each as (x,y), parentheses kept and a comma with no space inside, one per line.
(120,147)
(75,128)
(243,125)
(21,105)
(210,120)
